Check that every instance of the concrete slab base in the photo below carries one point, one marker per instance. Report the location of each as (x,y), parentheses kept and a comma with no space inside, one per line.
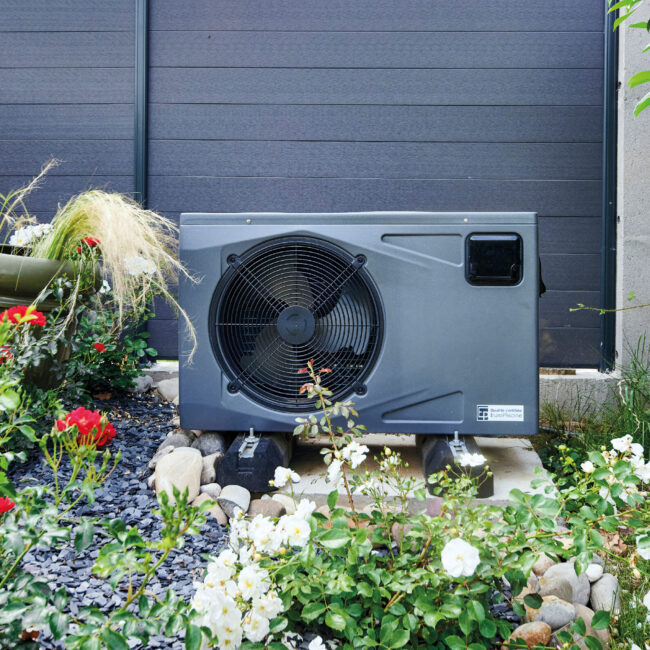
(513,461)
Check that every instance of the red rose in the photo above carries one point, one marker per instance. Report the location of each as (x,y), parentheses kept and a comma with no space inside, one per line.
(91,242)
(23,314)
(6,504)
(5,353)
(100,347)
(93,428)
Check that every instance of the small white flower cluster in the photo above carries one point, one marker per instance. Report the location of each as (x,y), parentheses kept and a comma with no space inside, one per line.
(354,454)
(622,449)
(472,460)
(137,265)
(283,475)
(389,461)
(236,599)
(27,235)
(459,558)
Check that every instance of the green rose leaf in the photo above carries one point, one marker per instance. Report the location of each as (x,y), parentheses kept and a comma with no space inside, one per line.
(593,643)
(83,536)
(399,638)
(58,624)
(600,621)
(192,637)
(114,640)
(312,611)
(533,600)
(335,538)
(335,621)
(488,628)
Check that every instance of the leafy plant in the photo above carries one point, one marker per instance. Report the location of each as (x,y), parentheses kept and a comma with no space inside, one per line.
(384,578)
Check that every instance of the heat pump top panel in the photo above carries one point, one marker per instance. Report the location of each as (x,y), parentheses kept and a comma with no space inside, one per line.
(427,320)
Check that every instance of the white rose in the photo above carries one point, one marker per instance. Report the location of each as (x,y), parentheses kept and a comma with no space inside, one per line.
(334,474)
(459,558)
(283,475)
(268,606)
(646,600)
(256,627)
(137,265)
(253,581)
(296,530)
(355,454)
(636,450)
(622,444)
(642,472)
(305,508)
(317,644)
(587,467)
(472,460)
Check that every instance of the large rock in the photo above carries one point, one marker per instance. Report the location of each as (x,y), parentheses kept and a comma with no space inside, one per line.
(168,389)
(266,507)
(587,615)
(210,442)
(579,583)
(141,384)
(543,563)
(605,594)
(182,469)
(211,489)
(286,501)
(594,572)
(554,611)
(214,510)
(556,586)
(434,506)
(538,633)
(176,439)
(209,471)
(158,455)
(233,497)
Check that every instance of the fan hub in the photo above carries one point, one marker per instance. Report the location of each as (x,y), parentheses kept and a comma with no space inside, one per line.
(296,325)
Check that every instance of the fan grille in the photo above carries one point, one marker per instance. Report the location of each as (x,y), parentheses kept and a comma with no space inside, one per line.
(288,301)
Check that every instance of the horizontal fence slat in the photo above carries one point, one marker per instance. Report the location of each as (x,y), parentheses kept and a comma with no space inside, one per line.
(208,194)
(376,50)
(66,122)
(371,15)
(56,190)
(409,87)
(570,234)
(569,347)
(376,160)
(67,49)
(77,156)
(555,309)
(571,272)
(67,86)
(67,15)
(380,123)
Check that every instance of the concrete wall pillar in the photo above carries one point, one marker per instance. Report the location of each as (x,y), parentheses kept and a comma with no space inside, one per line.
(633,197)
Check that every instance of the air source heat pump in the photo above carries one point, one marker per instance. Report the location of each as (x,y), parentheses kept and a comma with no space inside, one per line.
(427,320)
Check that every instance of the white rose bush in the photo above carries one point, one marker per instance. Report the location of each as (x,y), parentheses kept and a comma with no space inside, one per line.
(382,577)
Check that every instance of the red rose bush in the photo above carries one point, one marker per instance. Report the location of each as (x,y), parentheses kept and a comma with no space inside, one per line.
(92,426)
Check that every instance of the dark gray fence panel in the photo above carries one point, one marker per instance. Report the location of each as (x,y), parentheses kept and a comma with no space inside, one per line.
(369,86)
(256,49)
(62,49)
(375,123)
(511,161)
(66,122)
(66,15)
(379,15)
(549,198)
(66,80)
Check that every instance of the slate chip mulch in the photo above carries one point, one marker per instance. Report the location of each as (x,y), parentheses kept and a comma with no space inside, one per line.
(141,424)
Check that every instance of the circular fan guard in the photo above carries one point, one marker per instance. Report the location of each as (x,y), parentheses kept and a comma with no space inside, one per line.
(285,302)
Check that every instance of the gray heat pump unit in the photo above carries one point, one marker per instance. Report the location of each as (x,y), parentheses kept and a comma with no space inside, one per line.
(427,320)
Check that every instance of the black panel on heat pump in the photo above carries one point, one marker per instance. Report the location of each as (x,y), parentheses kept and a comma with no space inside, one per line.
(493,259)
